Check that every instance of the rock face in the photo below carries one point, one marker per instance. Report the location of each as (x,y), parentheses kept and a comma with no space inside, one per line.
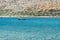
(23,4)
(31,5)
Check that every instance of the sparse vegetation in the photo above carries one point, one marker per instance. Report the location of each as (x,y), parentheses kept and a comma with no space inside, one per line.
(29,7)
(51,12)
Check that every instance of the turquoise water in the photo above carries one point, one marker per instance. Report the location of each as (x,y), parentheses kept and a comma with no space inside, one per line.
(29,29)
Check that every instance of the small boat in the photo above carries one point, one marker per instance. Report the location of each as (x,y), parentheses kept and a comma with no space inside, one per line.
(21,18)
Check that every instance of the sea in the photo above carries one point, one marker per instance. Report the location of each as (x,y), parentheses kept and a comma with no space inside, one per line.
(39,28)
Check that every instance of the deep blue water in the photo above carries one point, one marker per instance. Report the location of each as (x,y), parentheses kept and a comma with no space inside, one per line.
(30,28)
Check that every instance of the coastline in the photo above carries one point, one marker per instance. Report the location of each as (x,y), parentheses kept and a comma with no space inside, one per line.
(33,16)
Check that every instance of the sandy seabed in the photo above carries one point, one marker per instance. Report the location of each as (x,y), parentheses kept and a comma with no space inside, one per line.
(33,35)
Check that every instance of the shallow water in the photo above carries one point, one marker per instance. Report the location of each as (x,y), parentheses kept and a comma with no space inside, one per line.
(30,29)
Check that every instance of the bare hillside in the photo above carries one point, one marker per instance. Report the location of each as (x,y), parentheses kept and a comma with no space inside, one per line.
(9,7)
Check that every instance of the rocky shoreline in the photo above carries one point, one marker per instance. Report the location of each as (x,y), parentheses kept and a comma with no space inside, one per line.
(29,8)
(29,12)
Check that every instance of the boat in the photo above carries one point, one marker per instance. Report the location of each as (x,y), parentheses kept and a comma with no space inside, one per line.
(21,18)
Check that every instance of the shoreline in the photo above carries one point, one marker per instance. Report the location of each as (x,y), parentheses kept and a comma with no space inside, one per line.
(34,16)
